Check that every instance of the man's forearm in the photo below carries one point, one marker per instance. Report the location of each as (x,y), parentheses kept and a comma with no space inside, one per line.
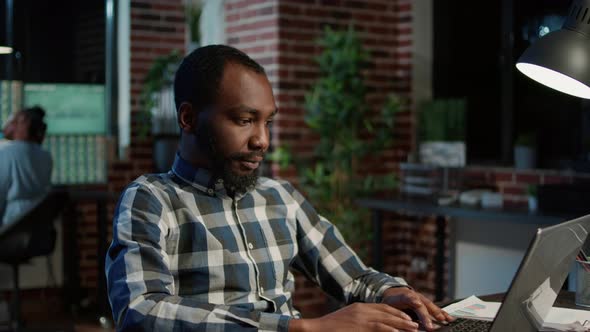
(357,317)
(297,325)
(174,312)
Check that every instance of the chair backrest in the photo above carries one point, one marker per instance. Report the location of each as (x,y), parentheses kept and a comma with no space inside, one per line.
(34,234)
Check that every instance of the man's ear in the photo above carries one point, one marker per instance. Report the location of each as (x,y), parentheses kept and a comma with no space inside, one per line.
(187,117)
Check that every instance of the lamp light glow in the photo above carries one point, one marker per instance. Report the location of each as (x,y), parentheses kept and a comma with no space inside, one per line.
(555,80)
(5,50)
(561,59)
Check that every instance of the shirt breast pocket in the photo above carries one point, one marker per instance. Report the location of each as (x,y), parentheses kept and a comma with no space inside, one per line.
(282,245)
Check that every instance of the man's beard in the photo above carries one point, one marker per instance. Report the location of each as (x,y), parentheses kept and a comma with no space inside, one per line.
(221,165)
(235,182)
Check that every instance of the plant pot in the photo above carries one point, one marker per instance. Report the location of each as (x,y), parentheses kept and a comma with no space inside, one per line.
(533,203)
(525,157)
(443,154)
(164,152)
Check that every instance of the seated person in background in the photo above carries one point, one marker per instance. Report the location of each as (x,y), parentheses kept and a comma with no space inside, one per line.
(25,168)
(209,245)
(8,128)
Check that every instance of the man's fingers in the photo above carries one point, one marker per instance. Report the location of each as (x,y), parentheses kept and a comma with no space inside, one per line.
(384,314)
(391,321)
(392,325)
(414,301)
(441,315)
(375,326)
(389,310)
(436,311)
(404,300)
(424,308)
(423,315)
(417,303)
(448,317)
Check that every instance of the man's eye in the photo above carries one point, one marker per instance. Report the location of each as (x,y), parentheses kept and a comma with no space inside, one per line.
(269,122)
(245,121)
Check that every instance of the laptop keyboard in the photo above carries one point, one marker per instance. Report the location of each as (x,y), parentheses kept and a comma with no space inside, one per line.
(469,325)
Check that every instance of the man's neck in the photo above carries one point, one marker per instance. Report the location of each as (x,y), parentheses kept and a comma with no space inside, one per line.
(190,152)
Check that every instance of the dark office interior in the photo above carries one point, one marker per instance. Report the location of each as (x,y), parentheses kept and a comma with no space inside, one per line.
(434,220)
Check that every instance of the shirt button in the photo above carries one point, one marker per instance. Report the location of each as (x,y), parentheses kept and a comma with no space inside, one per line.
(250,245)
(210,191)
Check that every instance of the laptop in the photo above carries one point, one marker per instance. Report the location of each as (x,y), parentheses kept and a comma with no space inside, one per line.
(539,278)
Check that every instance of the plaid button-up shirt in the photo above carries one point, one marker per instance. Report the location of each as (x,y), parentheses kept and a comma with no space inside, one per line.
(186,256)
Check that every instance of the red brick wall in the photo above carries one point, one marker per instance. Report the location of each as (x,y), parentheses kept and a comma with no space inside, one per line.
(282,35)
(512,183)
(412,239)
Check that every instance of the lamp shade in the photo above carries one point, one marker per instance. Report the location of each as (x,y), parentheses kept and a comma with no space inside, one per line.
(561,59)
(6,36)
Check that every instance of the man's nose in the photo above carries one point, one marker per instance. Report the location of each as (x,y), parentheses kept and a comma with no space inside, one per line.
(260,139)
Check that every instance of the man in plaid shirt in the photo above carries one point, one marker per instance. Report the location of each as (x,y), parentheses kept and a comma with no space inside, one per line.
(209,245)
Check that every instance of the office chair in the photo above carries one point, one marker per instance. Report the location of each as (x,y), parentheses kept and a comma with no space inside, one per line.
(32,235)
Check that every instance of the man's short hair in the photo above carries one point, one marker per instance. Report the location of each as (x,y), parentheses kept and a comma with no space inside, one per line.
(37,126)
(199,75)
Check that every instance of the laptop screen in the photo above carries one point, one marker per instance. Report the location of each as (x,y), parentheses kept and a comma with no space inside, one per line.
(541,275)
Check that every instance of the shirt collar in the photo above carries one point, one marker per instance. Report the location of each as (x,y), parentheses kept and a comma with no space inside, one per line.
(199,178)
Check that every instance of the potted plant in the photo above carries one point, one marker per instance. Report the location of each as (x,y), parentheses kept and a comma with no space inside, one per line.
(336,110)
(525,154)
(159,110)
(441,132)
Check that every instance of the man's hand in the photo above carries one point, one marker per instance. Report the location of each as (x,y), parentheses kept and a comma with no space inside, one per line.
(404,298)
(358,317)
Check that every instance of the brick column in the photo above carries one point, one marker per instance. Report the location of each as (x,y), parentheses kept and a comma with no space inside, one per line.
(282,34)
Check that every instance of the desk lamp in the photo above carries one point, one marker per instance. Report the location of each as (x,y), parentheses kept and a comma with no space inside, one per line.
(561,59)
(6,47)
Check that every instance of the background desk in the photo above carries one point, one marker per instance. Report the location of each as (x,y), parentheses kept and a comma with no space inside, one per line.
(102,198)
(424,207)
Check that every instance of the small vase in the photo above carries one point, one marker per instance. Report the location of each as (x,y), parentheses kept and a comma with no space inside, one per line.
(524,157)
(533,204)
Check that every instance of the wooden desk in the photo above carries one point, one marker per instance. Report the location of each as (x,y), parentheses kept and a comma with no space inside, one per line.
(102,198)
(426,207)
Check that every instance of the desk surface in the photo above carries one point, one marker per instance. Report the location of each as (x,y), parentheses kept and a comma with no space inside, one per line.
(566,299)
(428,207)
(424,207)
